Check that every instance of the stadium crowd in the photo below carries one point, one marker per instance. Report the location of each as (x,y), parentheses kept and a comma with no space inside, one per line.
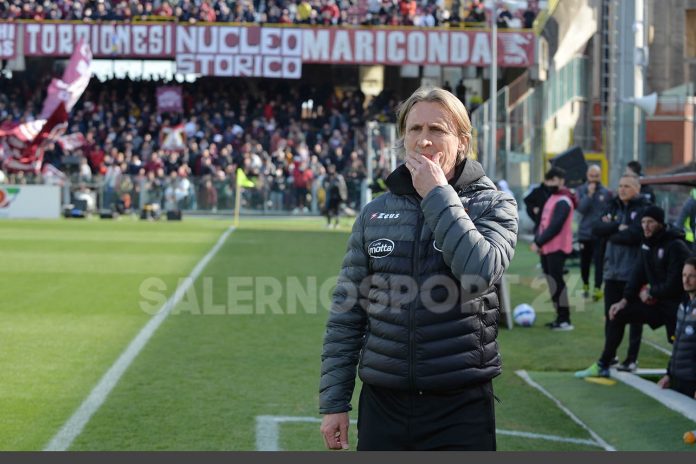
(423,13)
(258,125)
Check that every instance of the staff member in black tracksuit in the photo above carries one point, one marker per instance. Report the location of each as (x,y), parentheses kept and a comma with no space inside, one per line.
(654,290)
(620,228)
(681,371)
(593,199)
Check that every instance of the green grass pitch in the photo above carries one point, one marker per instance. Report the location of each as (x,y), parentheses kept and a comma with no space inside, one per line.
(75,293)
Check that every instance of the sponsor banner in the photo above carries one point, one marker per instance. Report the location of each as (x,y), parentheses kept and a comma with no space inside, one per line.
(239,50)
(169,99)
(29,201)
(121,40)
(8,40)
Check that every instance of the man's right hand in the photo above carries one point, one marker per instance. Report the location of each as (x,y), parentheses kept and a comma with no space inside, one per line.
(591,188)
(663,382)
(334,429)
(616,307)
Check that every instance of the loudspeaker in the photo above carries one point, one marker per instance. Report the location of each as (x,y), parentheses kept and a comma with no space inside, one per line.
(647,103)
(572,161)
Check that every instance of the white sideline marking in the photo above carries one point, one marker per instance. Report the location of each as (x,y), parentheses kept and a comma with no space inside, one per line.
(267,433)
(599,441)
(670,398)
(74,426)
(267,430)
(657,347)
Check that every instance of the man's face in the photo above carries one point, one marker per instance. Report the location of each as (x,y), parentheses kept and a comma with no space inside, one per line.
(650,226)
(689,278)
(594,175)
(430,130)
(629,188)
(555,182)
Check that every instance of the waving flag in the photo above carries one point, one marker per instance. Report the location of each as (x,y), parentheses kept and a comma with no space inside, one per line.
(22,144)
(173,138)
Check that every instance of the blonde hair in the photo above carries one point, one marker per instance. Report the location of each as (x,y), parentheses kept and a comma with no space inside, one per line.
(460,116)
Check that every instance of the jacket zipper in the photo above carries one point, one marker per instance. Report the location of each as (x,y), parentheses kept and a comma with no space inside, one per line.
(687,308)
(412,312)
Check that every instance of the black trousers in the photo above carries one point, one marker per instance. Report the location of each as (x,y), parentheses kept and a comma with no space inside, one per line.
(391,420)
(552,265)
(592,254)
(638,312)
(613,292)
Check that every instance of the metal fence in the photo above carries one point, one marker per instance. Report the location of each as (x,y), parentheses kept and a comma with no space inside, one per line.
(522,111)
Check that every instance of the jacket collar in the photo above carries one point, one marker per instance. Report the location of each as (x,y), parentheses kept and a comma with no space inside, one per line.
(467,172)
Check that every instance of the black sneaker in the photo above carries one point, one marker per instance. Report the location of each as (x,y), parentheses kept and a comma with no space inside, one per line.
(627,366)
(562,326)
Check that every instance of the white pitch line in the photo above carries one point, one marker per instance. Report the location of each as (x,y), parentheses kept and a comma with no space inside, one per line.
(74,426)
(540,436)
(525,376)
(267,433)
(670,398)
(657,347)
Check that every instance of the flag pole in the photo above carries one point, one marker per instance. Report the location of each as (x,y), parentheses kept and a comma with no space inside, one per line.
(237,201)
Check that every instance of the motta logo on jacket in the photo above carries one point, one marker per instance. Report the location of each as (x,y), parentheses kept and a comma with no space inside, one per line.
(384,216)
(380,248)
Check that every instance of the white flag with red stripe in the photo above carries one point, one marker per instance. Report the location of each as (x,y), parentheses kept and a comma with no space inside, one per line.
(22,144)
(173,138)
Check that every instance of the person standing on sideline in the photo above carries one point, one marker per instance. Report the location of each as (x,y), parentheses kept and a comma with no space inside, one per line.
(593,199)
(554,242)
(415,307)
(687,219)
(681,370)
(621,230)
(635,168)
(336,193)
(653,292)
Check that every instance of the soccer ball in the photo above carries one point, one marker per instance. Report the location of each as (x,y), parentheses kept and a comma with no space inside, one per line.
(524,315)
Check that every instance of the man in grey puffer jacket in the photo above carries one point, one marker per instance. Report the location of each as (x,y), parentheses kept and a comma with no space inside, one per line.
(415,305)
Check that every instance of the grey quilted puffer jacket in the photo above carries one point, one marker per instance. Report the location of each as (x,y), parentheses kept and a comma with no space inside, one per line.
(415,304)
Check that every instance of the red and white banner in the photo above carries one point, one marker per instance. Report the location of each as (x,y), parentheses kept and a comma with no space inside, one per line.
(228,50)
(239,51)
(169,100)
(8,40)
(122,40)
(415,46)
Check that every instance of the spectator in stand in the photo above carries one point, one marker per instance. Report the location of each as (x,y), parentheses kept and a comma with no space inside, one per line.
(530,14)
(477,13)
